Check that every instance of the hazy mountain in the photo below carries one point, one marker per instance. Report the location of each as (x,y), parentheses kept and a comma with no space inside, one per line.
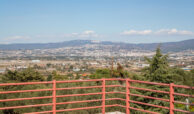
(168,46)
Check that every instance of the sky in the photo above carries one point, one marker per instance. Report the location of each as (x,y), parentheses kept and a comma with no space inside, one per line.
(132,21)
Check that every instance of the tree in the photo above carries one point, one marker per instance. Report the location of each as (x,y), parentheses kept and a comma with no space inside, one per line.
(158,69)
(56,76)
(25,75)
(101,73)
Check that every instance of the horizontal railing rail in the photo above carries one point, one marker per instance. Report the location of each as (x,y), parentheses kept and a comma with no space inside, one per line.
(129,85)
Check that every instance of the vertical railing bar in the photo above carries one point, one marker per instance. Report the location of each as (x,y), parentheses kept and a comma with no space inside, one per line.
(103,95)
(171,98)
(54,96)
(127,96)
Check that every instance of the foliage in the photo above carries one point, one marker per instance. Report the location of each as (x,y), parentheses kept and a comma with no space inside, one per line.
(26,75)
(158,71)
(101,73)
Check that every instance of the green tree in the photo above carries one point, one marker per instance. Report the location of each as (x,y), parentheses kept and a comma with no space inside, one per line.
(101,73)
(56,76)
(158,69)
(50,77)
(25,75)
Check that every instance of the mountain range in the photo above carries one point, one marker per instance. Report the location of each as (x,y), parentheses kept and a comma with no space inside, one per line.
(166,47)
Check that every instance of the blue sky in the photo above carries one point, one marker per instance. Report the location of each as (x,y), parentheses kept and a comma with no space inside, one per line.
(133,21)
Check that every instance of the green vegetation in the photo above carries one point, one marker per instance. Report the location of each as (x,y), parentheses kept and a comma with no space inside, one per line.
(26,75)
(158,71)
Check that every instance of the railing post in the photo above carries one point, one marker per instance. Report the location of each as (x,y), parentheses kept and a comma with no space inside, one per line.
(171,98)
(103,95)
(54,96)
(127,96)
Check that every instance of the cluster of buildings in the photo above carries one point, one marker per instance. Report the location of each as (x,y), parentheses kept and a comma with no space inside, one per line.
(90,50)
(86,58)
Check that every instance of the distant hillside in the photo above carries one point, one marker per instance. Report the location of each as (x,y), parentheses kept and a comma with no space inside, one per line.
(43,45)
(166,47)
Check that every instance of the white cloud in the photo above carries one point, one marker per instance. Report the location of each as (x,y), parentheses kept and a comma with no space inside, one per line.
(158,32)
(135,32)
(88,33)
(84,34)
(173,32)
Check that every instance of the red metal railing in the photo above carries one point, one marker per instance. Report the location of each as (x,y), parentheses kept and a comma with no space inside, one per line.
(127,93)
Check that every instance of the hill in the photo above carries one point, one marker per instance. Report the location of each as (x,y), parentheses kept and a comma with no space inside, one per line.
(166,47)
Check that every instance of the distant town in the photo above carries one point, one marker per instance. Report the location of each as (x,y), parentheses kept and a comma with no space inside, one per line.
(85,59)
